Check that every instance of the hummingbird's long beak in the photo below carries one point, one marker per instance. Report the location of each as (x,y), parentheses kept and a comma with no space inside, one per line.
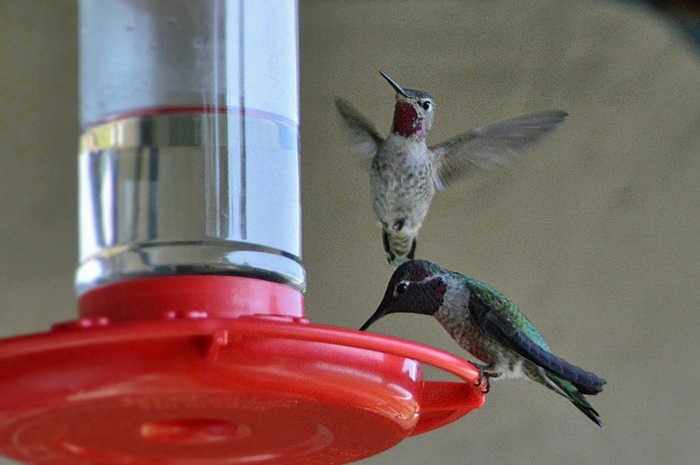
(394,84)
(377,315)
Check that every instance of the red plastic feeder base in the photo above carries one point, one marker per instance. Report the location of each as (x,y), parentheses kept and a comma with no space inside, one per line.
(196,389)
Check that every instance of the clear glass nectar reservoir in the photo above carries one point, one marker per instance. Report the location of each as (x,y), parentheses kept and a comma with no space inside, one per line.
(189,160)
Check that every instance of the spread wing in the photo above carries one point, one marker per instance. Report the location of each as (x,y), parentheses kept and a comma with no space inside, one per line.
(493,146)
(363,136)
(501,321)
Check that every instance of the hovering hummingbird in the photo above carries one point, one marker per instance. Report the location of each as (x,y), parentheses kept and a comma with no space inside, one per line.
(405,171)
(489,326)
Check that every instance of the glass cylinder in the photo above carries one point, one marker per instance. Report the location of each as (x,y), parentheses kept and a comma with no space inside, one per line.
(189,153)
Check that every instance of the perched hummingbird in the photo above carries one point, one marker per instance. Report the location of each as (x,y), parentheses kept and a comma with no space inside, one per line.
(489,326)
(405,171)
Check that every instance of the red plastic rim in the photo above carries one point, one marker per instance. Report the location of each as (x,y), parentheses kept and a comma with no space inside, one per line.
(177,296)
(255,389)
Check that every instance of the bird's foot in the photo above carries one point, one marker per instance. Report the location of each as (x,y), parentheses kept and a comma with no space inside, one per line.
(484,375)
(399,224)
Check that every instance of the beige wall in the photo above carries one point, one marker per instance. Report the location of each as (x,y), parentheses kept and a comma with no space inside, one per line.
(596,236)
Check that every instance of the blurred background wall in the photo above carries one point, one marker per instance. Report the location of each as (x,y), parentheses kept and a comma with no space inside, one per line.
(596,235)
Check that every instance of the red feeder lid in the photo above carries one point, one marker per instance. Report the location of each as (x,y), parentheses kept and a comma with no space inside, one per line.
(193,388)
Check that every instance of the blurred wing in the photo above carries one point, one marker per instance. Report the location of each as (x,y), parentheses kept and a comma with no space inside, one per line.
(364,138)
(510,328)
(493,146)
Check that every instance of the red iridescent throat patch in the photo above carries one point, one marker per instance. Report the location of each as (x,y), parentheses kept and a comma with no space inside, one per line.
(405,119)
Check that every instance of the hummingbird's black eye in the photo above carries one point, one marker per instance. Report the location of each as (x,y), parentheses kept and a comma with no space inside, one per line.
(401,288)
(426,105)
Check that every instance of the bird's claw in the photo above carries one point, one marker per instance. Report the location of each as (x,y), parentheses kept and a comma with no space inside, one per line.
(483,380)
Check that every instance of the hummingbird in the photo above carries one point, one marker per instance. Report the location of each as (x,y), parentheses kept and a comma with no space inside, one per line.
(488,325)
(405,171)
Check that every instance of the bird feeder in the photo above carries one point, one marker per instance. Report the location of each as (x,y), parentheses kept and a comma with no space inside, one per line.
(191,344)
